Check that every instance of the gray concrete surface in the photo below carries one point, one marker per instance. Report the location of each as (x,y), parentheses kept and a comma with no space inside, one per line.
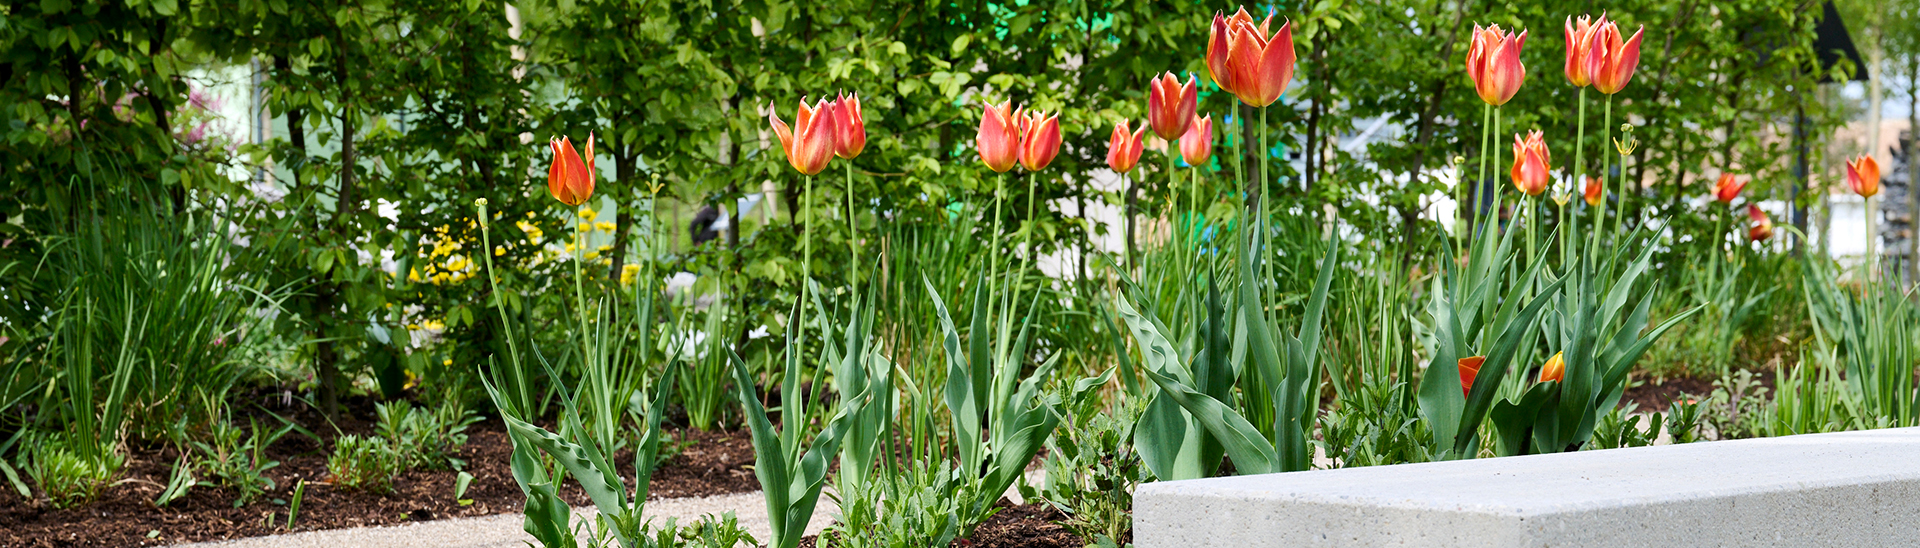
(1844,489)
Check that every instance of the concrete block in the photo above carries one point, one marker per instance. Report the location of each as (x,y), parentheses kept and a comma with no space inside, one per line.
(1847,489)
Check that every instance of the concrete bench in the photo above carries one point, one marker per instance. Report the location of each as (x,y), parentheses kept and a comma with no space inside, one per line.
(1844,489)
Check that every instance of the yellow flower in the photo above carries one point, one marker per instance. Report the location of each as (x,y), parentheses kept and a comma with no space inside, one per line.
(588,213)
(498,251)
(586,227)
(448,361)
(413,275)
(628,273)
(604,226)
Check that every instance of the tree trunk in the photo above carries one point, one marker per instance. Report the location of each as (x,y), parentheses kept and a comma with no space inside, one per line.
(1913,167)
(625,156)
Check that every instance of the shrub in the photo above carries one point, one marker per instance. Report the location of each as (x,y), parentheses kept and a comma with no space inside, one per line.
(68,478)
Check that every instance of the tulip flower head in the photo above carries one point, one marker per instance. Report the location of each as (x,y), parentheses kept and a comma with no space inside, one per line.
(1124,147)
(1610,62)
(1863,176)
(1469,368)
(1555,369)
(1493,62)
(1258,64)
(1727,188)
(850,128)
(999,139)
(812,140)
(1197,145)
(1531,163)
(1579,42)
(1223,27)
(1039,138)
(1762,226)
(1170,105)
(1594,192)
(570,180)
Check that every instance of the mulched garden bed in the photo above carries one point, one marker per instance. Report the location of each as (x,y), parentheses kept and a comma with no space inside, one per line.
(1015,526)
(716,463)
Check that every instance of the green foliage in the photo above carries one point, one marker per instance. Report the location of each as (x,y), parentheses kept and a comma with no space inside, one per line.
(363,463)
(918,505)
(791,473)
(1091,467)
(68,477)
(237,458)
(424,438)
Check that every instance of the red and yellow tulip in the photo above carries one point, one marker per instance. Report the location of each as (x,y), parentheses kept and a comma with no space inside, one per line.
(1762,226)
(1258,65)
(1863,176)
(1579,44)
(1610,62)
(1469,368)
(1170,105)
(813,140)
(1493,62)
(570,179)
(1554,370)
(1039,138)
(1532,164)
(1594,192)
(999,139)
(1727,188)
(850,128)
(1197,145)
(1124,147)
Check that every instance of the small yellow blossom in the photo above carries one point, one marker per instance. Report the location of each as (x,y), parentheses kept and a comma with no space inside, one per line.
(604,226)
(588,213)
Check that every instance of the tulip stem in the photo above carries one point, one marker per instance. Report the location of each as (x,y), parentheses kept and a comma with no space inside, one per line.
(1266,268)
(499,303)
(1239,155)
(1495,212)
(1472,192)
(579,294)
(1600,219)
(806,258)
(1195,219)
(853,232)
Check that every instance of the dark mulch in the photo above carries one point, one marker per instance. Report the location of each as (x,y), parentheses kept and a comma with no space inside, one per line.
(125,516)
(1015,526)
(1654,395)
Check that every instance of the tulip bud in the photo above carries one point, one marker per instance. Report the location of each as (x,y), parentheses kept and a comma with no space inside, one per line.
(1258,65)
(998,141)
(1532,164)
(1863,176)
(1727,188)
(810,144)
(1124,148)
(1493,62)
(569,179)
(1555,370)
(1610,62)
(1170,105)
(1039,138)
(1579,44)
(850,128)
(1594,192)
(1469,368)
(1197,145)
(1762,226)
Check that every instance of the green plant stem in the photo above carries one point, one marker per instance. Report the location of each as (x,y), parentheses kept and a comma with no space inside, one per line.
(1239,155)
(579,294)
(1495,212)
(499,303)
(1470,191)
(1600,218)
(806,257)
(1580,146)
(853,231)
(1265,227)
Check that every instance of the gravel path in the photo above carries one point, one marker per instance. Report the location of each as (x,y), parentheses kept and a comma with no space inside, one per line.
(503,531)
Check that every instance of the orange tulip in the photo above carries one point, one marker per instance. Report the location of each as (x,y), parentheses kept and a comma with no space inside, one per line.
(811,143)
(1469,368)
(1531,163)
(1728,188)
(1217,48)
(1124,148)
(850,128)
(1493,62)
(1259,65)
(1039,138)
(1579,42)
(1610,62)
(1555,369)
(999,138)
(1197,145)
(569,179)
(1762,227)
(1594,192)
(1170,105)
(1863,176)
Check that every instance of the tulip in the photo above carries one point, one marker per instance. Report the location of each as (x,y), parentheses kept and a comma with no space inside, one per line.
(1039,138)
(1259,65)
(1762,225)
(1594,192)
(1170,105)
(1610,62)
(1469,368)
(1493,62)
(1727,188)
(999,139)
(1555,369)
(850,128)
(569,179)
(811,143)
(1579,44)
(1197,145)
(1531,163)
(1863,176)
(1217,47)
(1124,148)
